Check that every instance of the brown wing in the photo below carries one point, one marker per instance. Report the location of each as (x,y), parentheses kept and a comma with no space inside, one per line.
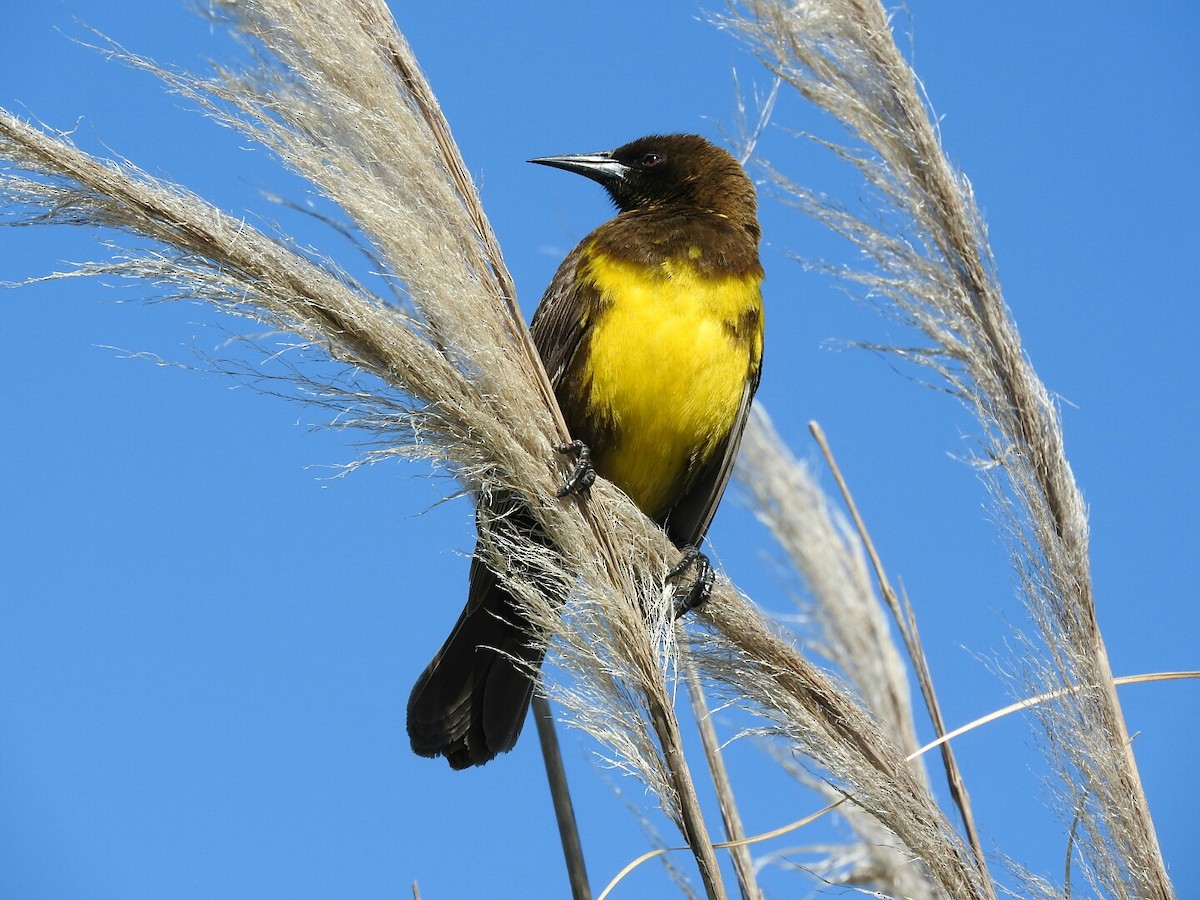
(561,328)
(562,321)
(688,520)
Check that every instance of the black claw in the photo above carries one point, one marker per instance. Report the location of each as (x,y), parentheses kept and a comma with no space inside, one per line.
(583,476)
(701,588)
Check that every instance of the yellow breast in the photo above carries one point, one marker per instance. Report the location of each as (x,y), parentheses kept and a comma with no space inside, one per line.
(670,353)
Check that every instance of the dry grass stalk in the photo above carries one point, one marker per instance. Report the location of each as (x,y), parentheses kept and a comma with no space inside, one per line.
(849,628)
(934,271)
(822,719)
(735,834)
(906,621)
(564,809)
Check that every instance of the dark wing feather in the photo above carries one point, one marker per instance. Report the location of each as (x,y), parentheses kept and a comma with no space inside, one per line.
(470,702)
(563,319)
(688,520)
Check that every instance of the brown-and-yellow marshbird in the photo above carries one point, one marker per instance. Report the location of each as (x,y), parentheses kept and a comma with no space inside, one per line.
(652,335)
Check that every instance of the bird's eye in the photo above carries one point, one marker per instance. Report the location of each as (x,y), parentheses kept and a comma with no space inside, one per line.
(650,160)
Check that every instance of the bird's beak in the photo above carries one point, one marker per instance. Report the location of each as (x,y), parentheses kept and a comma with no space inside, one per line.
(599,167)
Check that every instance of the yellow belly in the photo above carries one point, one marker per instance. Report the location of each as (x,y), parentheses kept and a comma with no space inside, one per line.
(668,366)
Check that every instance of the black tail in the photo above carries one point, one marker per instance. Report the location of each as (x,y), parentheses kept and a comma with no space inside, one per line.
(470,702)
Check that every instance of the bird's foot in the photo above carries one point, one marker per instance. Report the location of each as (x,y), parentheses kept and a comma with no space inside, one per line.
(700,589)
(583,476)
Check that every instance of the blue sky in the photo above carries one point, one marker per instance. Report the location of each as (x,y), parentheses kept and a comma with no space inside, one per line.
(207,637)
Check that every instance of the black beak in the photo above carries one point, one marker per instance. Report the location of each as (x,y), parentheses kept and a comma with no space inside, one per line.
(599,167)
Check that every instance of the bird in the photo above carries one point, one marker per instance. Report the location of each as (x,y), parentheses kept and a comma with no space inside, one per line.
(651,333)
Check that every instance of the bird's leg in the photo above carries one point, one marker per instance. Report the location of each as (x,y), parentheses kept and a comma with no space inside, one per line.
(701,587)
(583,476)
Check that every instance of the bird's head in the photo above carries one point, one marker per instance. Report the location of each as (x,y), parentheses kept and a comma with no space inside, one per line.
(659,170)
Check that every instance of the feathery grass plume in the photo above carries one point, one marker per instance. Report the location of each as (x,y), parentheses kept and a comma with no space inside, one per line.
(821,718)
(874,860)
(849,628)
(934,271)
(338,95)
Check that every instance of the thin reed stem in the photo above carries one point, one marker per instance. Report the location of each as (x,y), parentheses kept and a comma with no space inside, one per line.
(735,834)
(560,793)
(906,621)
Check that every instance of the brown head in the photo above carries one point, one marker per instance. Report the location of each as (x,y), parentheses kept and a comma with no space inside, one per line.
(683,170)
